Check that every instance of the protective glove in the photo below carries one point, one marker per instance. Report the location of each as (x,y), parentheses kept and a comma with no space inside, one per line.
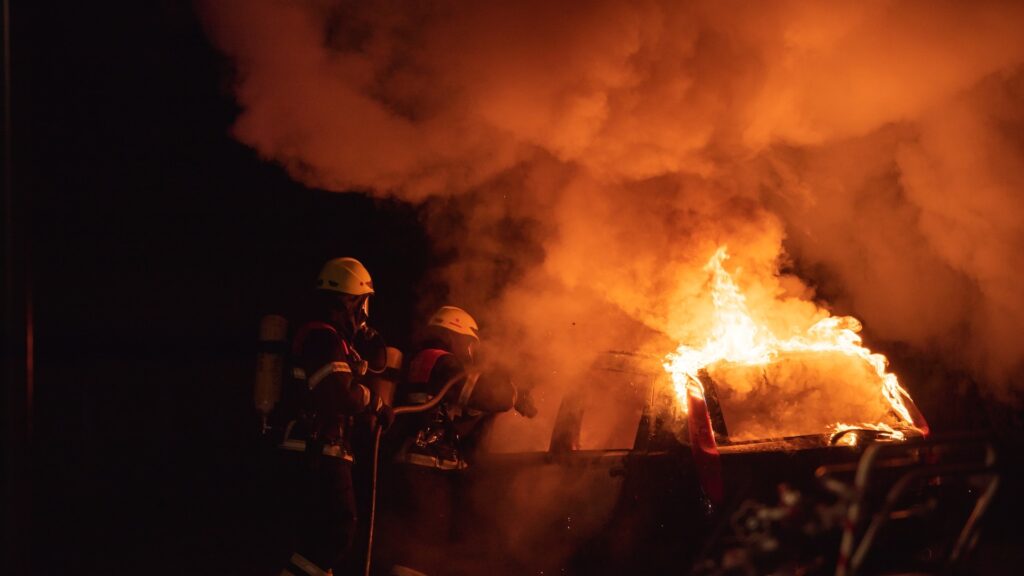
(385,414)
(524,404)
(385,417)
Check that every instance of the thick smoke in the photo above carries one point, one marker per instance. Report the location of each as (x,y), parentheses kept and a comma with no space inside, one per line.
(580,162)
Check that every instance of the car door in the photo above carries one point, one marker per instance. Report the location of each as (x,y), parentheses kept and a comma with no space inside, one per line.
(603,481)
(606,487)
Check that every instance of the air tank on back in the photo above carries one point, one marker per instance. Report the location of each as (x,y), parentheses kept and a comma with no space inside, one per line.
(273,344)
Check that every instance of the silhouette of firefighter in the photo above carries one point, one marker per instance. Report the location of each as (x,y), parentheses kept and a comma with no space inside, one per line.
(437,444)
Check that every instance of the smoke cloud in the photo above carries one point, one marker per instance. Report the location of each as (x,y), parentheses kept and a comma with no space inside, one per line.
(578,163)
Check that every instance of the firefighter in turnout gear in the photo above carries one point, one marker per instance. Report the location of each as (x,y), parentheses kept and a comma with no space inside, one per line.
(439,443)
(331,359)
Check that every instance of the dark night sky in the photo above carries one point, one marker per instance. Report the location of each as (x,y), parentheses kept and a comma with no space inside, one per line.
(157,244)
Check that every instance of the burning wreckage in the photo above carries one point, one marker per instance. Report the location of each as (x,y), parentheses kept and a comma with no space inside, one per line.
(580,163)
(749,454)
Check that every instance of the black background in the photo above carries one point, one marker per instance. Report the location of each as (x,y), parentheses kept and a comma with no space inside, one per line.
(157,243)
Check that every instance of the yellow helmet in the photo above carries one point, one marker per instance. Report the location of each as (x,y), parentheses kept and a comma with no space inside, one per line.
(455,319)
(345,275)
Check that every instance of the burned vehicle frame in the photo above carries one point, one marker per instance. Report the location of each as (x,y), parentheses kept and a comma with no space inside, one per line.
(642,508)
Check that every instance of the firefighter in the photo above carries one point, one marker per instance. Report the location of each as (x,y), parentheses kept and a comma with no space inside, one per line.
(440,442)
(332,358)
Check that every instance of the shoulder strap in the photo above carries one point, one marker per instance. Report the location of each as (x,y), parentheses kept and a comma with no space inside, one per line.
(423,364)
(304,331)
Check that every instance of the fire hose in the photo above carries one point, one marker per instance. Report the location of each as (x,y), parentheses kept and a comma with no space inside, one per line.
(414,409)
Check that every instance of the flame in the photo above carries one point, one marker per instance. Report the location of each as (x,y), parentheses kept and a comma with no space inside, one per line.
(737,338)
(886,432)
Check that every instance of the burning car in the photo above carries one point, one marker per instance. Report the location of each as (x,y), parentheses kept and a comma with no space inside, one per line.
(645,455)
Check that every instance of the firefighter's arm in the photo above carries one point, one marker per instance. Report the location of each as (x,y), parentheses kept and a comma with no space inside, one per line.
(495,392)
(524,403)
(330,376)
(491,391)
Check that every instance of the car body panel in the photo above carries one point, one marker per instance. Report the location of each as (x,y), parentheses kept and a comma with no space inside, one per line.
(633,509)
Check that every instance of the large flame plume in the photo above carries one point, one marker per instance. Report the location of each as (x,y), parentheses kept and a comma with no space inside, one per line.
(737,338)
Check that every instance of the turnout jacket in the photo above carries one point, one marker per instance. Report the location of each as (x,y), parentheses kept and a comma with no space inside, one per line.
(328,388)
(444,437)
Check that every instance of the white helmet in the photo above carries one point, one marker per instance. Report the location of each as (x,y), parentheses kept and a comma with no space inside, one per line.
(455,319)
(345,275)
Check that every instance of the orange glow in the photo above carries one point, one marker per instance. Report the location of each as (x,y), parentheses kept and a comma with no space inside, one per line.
(588,169)
(851,440)
(736,339)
